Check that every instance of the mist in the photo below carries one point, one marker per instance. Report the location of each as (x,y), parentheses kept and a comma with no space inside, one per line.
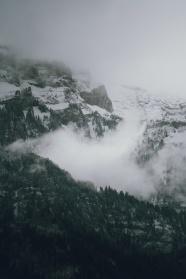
(105,162)
(139,43)
(111,161)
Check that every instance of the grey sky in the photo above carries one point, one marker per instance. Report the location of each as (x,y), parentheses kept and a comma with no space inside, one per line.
(134,42)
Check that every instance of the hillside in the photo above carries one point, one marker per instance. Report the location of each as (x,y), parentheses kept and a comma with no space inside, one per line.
(53,226)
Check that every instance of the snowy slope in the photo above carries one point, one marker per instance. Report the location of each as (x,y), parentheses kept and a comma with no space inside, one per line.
(161,113)
(158,123)
(161,149)
(57,91)
(150,106)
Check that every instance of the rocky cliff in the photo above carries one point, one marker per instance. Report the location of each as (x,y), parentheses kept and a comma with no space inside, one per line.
(98,96)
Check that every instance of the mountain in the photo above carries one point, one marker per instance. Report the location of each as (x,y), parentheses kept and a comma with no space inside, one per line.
(161,143)
(52,226)
(45,97)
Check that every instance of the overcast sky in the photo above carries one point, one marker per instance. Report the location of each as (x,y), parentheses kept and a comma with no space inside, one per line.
(134,42)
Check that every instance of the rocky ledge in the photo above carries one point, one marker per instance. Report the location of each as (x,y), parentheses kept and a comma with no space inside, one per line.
(98,96)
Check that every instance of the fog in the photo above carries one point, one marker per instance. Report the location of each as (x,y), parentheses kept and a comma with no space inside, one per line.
(104,161)
(111,161)
(131,42)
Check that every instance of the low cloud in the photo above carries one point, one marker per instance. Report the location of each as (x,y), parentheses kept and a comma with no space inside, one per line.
(133,42)
(110,161)
(168,170)
(105,162)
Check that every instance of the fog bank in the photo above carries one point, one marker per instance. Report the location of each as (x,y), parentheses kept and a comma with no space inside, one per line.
(132,42)
(105,162)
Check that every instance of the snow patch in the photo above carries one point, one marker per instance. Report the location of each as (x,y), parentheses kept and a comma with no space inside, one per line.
(7,90)
(60,106)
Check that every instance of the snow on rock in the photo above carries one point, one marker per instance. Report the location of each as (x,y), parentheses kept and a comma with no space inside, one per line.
(7,90)
(59,106)
(37,112)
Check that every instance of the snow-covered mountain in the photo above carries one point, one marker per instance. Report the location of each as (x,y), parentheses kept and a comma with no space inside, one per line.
(161,148)
(56,97)
(37,97)
(164,117)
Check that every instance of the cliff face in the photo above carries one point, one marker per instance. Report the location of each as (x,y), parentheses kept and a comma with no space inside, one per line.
(98,97)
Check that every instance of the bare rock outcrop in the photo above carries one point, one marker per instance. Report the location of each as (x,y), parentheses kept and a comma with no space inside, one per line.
(98,96)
